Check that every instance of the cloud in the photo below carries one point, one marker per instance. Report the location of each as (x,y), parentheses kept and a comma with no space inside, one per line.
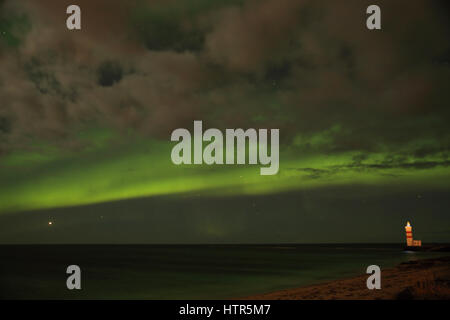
(388,166)
(246,38)
(302,66)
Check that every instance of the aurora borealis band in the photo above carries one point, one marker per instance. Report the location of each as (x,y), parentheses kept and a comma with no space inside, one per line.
(86,116)
(35,181)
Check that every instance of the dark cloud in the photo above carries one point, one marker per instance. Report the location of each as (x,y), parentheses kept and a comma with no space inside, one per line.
(5,125)
(302,66)
(109,72)
(314,173)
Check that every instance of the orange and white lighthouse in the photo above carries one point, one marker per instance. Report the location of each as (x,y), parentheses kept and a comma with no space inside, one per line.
(410,242)
(409,237)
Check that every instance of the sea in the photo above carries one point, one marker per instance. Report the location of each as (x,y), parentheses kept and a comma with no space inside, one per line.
(185,271)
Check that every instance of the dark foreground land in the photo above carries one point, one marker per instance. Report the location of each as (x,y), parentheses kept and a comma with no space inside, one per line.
(420,279)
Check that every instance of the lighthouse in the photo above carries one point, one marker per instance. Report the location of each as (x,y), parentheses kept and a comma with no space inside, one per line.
(410,242)
(409,238)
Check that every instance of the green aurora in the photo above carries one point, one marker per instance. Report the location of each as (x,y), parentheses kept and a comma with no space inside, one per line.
(113,171)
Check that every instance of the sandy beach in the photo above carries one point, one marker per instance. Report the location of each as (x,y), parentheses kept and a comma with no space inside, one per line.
(421,279)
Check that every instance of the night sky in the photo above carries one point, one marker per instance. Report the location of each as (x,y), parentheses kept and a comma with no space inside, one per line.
(86,118)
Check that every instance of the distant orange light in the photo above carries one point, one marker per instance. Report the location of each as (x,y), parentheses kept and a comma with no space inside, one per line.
(50,223)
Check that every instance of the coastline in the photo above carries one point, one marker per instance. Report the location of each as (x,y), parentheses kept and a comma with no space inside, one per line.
(420,279)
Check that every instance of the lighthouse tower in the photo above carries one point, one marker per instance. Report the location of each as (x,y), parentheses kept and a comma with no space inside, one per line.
(409,237)
(410,242)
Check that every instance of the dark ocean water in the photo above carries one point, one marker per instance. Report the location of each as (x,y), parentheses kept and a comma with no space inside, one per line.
(184,271)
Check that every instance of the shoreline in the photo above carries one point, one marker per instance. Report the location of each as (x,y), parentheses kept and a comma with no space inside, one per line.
(419,279)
